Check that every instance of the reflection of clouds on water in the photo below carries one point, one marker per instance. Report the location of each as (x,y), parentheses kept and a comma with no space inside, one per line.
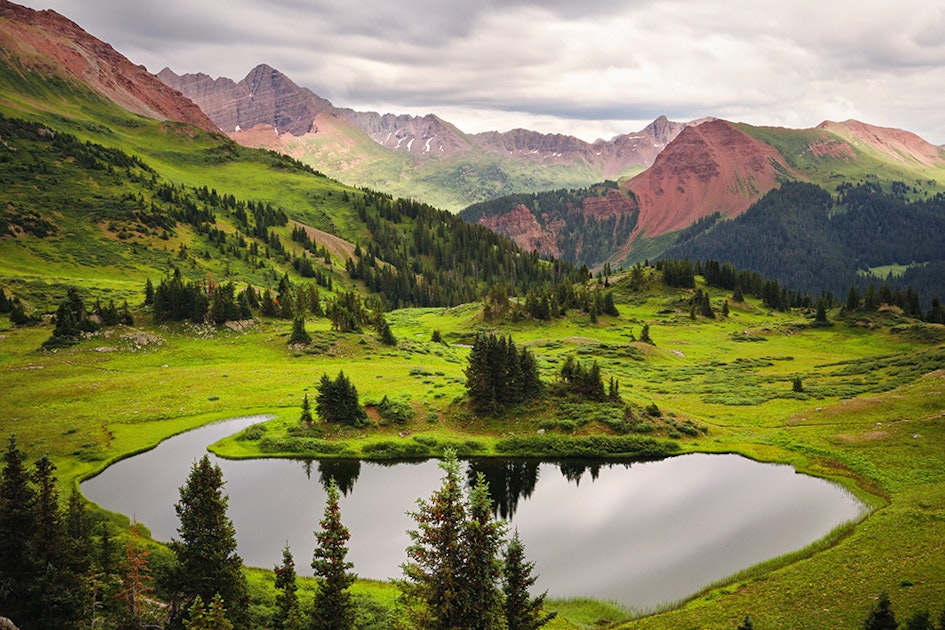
(641,534)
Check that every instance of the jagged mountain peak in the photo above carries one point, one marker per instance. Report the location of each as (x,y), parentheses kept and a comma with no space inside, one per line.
(265,96)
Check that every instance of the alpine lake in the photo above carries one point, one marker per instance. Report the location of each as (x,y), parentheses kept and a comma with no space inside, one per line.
(643,534)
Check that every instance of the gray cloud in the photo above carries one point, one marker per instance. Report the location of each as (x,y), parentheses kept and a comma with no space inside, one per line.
(594,68)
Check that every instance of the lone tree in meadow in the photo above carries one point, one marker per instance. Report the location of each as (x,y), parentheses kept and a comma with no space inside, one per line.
(208,564)
(333,608)
(337,401)
(299,335)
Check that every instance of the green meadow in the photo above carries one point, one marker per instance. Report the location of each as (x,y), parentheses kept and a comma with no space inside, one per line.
(860,401)
(870,415)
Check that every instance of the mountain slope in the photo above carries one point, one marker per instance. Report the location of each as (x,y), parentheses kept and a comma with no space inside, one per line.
(714,167)
(46,42)
(415,156)
(94,195)
(721,168)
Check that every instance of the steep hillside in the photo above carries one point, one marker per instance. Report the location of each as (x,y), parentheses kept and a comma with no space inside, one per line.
(805,238)
(95,195)
(714,167)
(718,169)
(47,43)
(422,157)
(583,226)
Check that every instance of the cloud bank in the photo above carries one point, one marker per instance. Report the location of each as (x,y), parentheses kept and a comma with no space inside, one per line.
(591,69)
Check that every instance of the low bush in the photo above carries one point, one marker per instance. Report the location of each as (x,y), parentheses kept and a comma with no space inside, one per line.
(389,449)
(252,433)
(585,446)
(300,445)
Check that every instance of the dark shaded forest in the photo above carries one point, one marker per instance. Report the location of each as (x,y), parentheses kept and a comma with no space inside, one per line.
(803,237)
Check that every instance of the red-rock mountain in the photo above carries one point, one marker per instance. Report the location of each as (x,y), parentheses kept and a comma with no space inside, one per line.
(723,167)
(44,41)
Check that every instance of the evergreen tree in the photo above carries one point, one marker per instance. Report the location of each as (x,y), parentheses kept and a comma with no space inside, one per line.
(481,598)
(18,569)
(206,552)
(431,590)
(853,299)
(148,293)
(798,385)
(821,316)
(59,590)
(333,608)
(286,616)
(387,335)
(645,334)
(881,617)
(920,620)
(609,307)
(522,611)
(299,335)
(306,411)
(212,617)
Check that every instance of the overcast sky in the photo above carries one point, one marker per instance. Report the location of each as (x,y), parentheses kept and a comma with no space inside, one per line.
(590,68)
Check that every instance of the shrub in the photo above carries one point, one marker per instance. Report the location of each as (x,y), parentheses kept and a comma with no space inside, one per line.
(586,446)
(252,433)
(389,449)
(396,410)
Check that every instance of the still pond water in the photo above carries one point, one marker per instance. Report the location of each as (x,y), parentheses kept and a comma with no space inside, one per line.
(641,534)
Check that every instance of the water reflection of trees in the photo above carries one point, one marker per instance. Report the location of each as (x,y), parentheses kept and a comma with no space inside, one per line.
(509,481)
(574,469)
(345,472)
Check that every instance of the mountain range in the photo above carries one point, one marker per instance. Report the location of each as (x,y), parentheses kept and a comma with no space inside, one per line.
(608,202)
(422,157)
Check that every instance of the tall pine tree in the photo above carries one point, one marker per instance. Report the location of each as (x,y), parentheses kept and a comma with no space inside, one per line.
(522,611)
(333,608)
(18,568)
(287,615)
(206,552)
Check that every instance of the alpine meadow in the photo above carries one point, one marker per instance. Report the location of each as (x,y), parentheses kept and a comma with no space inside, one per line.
(760,292)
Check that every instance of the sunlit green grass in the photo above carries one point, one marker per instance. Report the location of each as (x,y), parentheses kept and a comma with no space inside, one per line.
(864,403)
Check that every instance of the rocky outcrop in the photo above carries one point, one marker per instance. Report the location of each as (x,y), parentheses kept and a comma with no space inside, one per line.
(264,97)
(6,624)
(707,168)
(44,41)
(523,227)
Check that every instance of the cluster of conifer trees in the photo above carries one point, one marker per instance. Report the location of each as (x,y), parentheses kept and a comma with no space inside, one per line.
(337,401)
(498,374)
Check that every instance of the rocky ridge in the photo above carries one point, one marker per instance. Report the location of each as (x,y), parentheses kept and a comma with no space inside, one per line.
(47,42)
